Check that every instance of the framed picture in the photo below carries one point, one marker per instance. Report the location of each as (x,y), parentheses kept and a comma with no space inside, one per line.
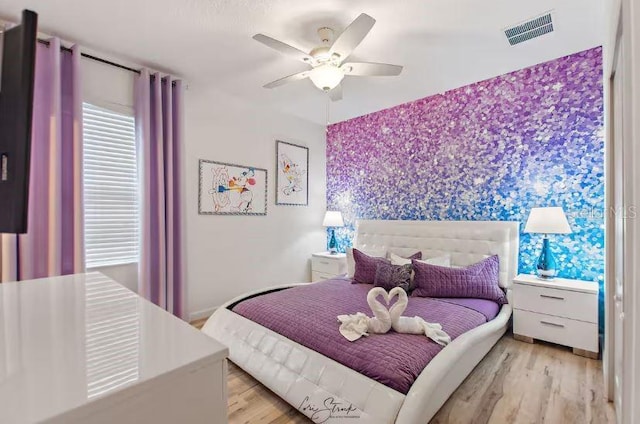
(292,174)
(228,189)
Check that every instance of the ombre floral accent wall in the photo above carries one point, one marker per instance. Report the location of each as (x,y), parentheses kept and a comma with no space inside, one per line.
(488,151)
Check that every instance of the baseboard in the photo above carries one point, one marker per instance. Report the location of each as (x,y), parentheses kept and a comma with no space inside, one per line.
(204,313)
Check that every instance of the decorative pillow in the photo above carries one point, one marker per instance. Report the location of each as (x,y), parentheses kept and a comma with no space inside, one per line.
(351,264)
(400,260)
(477,257)
(444,260)
(389,276)
(366,267)
(479,280)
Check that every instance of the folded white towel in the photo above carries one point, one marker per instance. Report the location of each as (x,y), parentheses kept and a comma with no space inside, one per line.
(413,325)
(354,326)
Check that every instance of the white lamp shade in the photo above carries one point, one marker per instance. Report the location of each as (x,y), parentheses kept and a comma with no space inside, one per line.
(550,220)
(326,77)
(333,219)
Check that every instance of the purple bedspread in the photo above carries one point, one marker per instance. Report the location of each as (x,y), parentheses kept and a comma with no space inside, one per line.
(307,315)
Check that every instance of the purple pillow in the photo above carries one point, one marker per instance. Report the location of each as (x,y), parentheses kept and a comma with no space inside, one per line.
(366,267)
(389,276)
(417,255)
(479,280)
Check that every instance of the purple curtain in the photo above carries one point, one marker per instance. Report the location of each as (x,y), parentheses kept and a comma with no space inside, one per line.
(159,127)
(54,244)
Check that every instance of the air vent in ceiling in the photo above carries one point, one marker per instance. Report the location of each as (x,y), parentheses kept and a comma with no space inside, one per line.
(530,29)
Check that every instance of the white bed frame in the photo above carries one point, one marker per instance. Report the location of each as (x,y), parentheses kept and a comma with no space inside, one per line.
(304,377)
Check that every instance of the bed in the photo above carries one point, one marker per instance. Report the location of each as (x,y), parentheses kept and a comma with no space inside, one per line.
(329,391)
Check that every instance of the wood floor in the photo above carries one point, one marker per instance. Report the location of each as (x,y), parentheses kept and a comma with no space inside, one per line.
(515,383)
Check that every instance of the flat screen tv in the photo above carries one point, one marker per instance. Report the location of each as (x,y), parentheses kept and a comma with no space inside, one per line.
(16,106)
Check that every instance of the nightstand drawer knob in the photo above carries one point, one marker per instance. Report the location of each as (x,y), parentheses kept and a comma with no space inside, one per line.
(553,324)
(546,296)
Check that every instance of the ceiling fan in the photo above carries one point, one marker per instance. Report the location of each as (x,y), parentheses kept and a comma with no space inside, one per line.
(327,60)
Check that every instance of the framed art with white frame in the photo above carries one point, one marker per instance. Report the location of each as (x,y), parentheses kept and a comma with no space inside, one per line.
(229,189)
(292,174)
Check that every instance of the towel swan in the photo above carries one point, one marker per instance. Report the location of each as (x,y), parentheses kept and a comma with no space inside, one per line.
(413,325)
(381,321)
(352,327)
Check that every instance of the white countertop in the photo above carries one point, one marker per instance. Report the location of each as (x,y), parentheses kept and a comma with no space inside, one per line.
(68,341)
(329,255)
(558,283)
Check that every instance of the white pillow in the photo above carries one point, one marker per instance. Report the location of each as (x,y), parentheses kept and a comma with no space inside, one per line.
(477,258)
(444,260)
(351,263)
(398,260)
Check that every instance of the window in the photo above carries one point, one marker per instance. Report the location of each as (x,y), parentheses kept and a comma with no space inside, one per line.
(110,187)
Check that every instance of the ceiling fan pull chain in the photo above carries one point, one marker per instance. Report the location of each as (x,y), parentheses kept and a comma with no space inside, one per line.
(328,103)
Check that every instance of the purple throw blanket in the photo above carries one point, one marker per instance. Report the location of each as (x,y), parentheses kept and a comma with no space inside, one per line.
(308,315)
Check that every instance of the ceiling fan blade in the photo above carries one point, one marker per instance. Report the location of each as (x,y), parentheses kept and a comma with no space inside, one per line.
(336,93)
(291,78)
(366,69)
(283,48)
(352,36)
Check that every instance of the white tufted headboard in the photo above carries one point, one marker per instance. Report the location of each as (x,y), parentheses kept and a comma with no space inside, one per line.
(466,241)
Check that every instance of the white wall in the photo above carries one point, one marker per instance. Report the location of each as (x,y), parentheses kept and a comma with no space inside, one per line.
(611,16)
(630,413)
(107,86)
(229,255)
(626,302)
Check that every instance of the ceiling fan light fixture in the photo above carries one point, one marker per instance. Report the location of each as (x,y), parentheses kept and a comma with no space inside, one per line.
(326,60)
(326,77)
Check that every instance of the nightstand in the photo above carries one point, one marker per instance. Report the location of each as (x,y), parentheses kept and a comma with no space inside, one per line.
(560,311)
(325,265)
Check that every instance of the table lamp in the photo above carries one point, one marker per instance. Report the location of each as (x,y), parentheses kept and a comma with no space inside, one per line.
(550,220)
(333,219)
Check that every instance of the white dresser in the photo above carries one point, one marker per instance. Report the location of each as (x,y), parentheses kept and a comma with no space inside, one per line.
(325,265)
(561,311)
(84,349)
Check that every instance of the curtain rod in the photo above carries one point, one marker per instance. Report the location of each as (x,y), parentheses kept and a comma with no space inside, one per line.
(98,59)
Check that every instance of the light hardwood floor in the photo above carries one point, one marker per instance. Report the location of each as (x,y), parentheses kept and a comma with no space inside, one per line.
(515,383)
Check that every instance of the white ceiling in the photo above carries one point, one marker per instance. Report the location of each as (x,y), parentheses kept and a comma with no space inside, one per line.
(442,44)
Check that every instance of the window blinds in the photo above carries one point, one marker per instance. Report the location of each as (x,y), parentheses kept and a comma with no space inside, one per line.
(110,187)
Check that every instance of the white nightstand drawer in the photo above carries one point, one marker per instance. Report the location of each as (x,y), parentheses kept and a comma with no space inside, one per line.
(562,303)
(325,265)
(321,276)
(568,332)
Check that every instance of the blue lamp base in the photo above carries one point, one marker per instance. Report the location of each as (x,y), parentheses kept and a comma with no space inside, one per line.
(546,267)
(333,244)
